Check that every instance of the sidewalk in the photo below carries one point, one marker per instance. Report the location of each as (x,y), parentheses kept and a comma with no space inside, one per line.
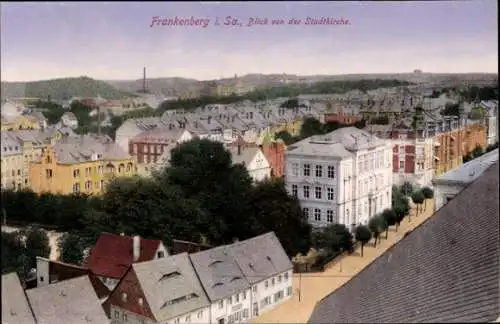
(315,286)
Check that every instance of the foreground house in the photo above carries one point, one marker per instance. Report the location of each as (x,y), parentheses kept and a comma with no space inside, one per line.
(449,184)
(253,159)
(49,272)
(445,270)
(113,254)
(160,291)
(15,305)
(72,301)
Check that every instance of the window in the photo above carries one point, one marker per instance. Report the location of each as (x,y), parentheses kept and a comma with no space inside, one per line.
(140,301)
(237,298)
(306,191)
(124,297)
(307,170)
(255,309)
(117,314)
(279,278)
(88,185)
(401,165)
(319,171)
(273,281)
(306,212)
(295,190)
(188,319)
(124,317)
(245,313)
(329,216)
(41,279)
(221,304)
(289,289)
(285,276)
(331,171)
(317,192)
(102,184)
(401,149)
(76,187)
(230,300)
(200,314)
(244,295)
(254,288)
(295,169)
(266,284)
(317,214)
(329,193)
(48,173)
(177,320)
(76,173)
(18,172)
(160,254)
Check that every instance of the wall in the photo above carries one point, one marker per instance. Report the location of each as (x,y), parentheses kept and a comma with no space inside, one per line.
(260,292)
(229,309)
(442,191)
(12,171)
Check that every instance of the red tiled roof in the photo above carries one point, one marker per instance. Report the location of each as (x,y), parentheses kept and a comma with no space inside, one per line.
(112,254)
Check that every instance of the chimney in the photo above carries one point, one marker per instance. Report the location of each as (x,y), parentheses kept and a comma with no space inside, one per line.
(136,247)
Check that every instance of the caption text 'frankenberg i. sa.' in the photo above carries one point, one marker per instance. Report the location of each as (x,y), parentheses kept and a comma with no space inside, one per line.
(230,21)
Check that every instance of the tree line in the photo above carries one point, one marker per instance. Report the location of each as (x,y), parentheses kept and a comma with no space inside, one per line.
(201,194)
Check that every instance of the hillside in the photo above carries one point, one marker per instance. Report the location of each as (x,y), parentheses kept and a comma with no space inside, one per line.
(60,89)
(166,86)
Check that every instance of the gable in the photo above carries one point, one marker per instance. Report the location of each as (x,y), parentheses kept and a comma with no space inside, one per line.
(259,161)
(129,285)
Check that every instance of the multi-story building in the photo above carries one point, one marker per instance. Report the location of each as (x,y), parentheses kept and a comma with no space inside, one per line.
(449,184)
(148,147)
(83,164)
(30,143)
(12,162)
(342,177)
(227,284)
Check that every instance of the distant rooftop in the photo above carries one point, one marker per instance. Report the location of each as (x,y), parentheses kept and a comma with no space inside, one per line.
(471,170)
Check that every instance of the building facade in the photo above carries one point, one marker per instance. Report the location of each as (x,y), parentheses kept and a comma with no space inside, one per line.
(342,177)
(81,164)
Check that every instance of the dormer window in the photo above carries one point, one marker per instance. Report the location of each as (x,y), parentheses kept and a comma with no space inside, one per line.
(215,262)
(170,275)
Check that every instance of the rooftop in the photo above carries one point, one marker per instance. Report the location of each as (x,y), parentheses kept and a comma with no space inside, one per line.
(470,171)
(15,306)
(445,270)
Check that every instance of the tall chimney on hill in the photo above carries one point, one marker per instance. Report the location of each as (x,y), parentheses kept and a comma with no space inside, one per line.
(136,247)
(144,80)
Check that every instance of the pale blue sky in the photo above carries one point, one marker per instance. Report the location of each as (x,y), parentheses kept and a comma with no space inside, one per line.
(114,40)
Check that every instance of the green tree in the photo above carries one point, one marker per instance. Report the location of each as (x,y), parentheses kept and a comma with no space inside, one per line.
(383,225)
(477,151)
(275,210)
(285,137)
(71,248)
(310,127)
(12,250)
(418,198)
(407,188)
(290,103)
(37,244)
(428,194)
(375,227)
(466,158)
(400,211)
(389,217)
(204,172)
(363,235)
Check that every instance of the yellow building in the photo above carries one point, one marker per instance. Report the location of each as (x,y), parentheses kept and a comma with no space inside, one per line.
(20,123)
(83,164)
(19,149)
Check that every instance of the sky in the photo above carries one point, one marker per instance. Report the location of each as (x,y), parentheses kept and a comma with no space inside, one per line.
(113,40)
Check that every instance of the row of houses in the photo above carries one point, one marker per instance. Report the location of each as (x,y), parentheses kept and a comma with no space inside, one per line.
(227,284)
(346,176)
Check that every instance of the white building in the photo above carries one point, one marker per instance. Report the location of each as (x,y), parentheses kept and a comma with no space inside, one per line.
(449,184)
(69,119)
(342,177)
(253,159)
(491,108)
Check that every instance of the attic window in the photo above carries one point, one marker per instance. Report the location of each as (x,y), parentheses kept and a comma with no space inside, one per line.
(178,300)
(140,301)
(124,297)
(217,284)
(170,275)
(215,262)
(268,258)
(235,278)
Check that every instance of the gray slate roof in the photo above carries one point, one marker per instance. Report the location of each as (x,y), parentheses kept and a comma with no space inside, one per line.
(446,270)
(261,257)
(219,273)
(168,279)
(71,301)
(15,306)
(228,269)
(470,171)
(246,156)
